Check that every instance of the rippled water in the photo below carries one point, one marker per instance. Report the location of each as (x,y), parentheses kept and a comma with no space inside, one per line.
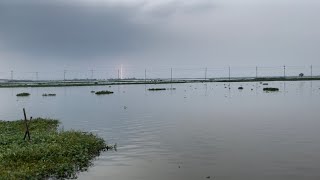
(195,131)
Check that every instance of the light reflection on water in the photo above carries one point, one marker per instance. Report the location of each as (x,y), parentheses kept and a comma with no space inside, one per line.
(195,131)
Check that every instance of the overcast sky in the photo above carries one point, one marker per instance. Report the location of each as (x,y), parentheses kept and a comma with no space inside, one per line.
(89,34)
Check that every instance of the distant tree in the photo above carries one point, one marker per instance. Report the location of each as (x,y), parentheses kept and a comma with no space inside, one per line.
(301,75)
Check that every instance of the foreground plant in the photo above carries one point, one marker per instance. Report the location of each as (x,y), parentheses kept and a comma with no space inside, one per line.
(50,153)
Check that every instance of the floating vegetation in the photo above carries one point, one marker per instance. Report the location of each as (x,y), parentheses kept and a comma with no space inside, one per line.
(157,89)
(23,94)
(271,89)
(240,88)
(103,92)
(48,94)
(50,154)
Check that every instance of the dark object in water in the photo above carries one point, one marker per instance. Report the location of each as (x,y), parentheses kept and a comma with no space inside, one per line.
(48,94)
(157,89)
(271,89)
(265,84)
(93,92)
(240,88)
(23,94)
(103,92)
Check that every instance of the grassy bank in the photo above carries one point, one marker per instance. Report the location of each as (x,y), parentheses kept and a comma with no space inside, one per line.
(50,153)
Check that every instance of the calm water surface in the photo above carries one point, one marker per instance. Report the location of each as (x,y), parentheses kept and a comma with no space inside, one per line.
(195,131)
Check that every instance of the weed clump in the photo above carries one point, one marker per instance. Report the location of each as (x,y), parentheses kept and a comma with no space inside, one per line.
(23,94)
(271,89)
(48,94)
(103,92)
(157,89)
(51,154)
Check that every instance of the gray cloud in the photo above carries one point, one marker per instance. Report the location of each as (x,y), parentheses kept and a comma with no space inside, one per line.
(171,32)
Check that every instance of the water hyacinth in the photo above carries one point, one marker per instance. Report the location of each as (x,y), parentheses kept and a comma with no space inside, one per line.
(23,94)
(103,92)
(50,153)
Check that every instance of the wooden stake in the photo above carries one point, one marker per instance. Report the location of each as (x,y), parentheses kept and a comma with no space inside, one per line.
(27,125)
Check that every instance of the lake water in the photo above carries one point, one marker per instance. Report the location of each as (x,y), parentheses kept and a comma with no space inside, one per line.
(195,131)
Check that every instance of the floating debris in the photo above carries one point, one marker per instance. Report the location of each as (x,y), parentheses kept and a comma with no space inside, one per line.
(23,94)
(240,88)
(48,94)
(271,89)
(171,89)
(157,89)
(103,92)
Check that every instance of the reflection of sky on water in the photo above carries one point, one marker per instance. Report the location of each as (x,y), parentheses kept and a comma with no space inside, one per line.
(205,129)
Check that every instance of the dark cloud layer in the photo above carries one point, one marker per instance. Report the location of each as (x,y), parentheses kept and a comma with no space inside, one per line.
(171,32)
(70,30)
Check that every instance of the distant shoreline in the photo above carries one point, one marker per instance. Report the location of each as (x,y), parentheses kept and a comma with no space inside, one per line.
(70,83)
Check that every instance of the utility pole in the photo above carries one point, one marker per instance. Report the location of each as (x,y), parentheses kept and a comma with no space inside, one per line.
(145,75)
(311,71)
(284,71)
(37,76)
(256,71)
(92,74)
(205,74)
(118,74)
(229,73)
(64,74)
(11,75)
(171,74)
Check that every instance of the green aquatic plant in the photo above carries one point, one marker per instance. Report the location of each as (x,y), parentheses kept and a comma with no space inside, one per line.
(23,94)
(103,92)
(157,89)
(48,94)
(269,89)
(50,154)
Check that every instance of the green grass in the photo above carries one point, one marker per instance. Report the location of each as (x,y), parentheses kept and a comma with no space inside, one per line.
(103,92)
(23,94)
(50,153)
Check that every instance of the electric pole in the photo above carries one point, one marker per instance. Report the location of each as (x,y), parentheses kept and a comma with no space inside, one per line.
(145,75)
(229,73)
(171,74)
(64,74)
(92,74)
(205,74)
